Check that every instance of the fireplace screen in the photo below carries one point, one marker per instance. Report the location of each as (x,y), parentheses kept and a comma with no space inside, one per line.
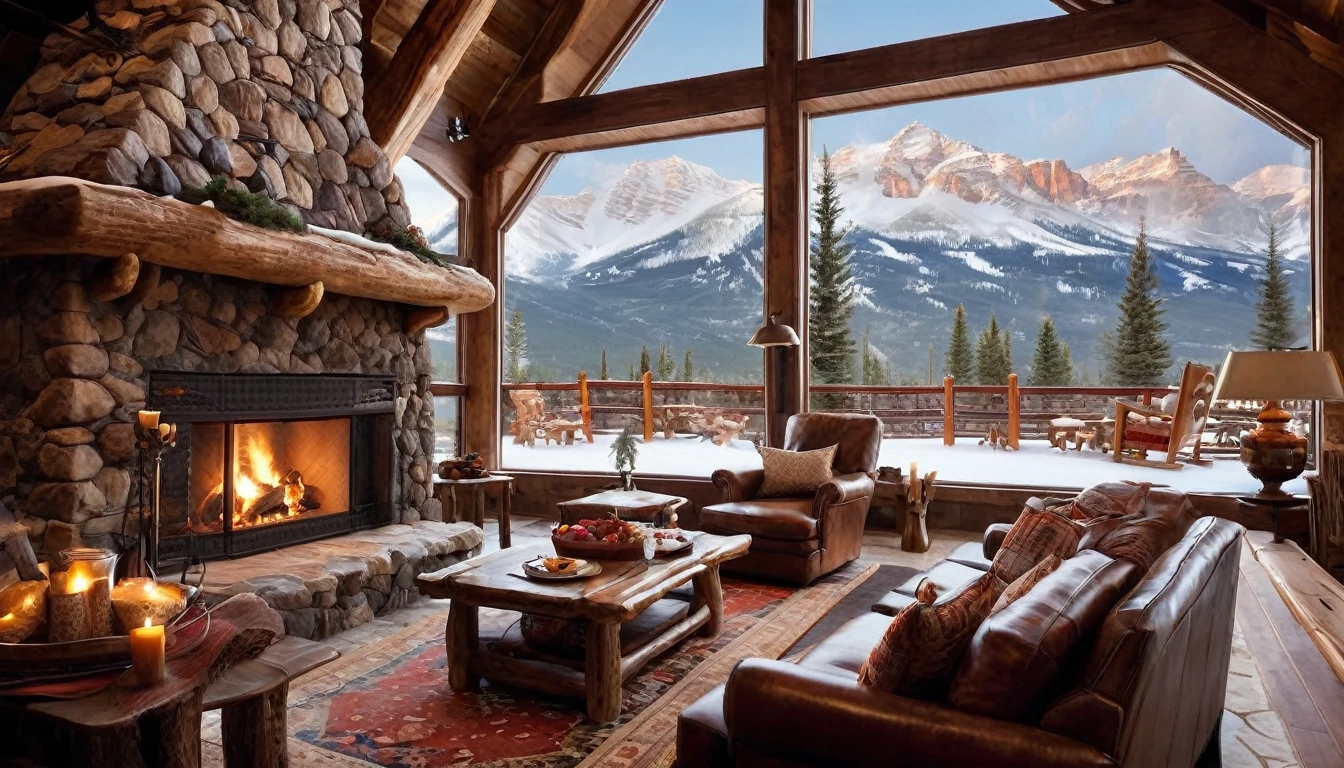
(279,471)
(267,461)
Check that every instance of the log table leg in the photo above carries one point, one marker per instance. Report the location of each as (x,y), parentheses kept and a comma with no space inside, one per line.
(171,737)
(254,731)
(505,525)
(478,505)
(463,638)
(709,592)
(602,672)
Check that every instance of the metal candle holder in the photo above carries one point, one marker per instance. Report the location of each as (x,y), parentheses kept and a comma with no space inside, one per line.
(151,437)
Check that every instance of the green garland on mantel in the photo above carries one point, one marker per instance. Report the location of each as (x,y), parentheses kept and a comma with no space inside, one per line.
(261,211)
(248,207)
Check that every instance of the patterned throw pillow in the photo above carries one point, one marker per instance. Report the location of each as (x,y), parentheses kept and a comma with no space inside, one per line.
(1140,541)
(1035,535)
(922,647)
(1110,499)
(795,474)
(1026,581)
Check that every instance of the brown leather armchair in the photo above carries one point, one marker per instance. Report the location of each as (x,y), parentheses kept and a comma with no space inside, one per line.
(800,540)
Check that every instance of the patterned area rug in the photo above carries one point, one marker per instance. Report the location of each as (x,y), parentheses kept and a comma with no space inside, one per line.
(390,703)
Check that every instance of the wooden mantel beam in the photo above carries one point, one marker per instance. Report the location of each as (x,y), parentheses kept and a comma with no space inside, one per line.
(1055,49)
(401,101)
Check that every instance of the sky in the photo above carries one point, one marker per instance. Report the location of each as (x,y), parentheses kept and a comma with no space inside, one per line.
(1082,123)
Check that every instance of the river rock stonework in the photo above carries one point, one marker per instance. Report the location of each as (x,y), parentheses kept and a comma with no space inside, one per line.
(269,93)
(73,375)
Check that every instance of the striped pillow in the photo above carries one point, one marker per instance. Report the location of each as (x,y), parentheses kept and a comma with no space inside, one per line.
(795,474)
(1035,535)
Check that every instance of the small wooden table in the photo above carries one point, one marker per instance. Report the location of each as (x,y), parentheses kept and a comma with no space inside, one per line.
(446,492)
(620,594)
(636,506)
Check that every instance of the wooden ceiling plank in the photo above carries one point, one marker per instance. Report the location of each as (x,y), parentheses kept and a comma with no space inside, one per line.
(400,102)
(1298,12)
(554,31)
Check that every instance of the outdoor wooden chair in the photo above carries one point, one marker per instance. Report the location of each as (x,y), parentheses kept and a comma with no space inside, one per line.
(1141,428)
(529,411)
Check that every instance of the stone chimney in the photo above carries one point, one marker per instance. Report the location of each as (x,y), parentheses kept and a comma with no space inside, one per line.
(267,92)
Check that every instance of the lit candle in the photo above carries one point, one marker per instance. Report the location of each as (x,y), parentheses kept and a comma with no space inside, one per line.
(147,653)
(164,429)
(148,419)
(98,599)
(136,601)
(68,607)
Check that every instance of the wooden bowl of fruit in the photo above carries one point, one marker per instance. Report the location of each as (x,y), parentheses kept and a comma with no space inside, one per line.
(601,540)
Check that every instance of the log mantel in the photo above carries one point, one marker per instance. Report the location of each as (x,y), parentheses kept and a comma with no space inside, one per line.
(58,215)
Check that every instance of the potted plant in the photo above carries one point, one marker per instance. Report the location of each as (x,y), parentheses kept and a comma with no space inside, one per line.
(624,450)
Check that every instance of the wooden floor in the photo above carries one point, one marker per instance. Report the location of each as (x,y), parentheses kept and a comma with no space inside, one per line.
(1299,685)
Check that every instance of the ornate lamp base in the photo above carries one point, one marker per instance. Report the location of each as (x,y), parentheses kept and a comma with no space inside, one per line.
(1272,454)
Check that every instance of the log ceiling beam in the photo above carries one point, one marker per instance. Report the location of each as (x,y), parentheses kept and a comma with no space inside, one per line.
(526,79)
(1058,49)
(405,94)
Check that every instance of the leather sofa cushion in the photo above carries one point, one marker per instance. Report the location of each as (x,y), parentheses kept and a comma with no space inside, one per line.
(1140,541)
(1026,581)
(787,519)
(948,578)
(1017,652)
(702,734)
(922,647)
(892,603)
(1109,499)
(793,474)
(847,648)
(1038,532)
(971,554)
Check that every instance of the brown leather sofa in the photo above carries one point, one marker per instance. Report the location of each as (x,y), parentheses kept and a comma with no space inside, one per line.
(1147,692)
(799,540)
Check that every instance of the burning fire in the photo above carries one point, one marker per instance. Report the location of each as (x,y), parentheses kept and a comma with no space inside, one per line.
(254,475)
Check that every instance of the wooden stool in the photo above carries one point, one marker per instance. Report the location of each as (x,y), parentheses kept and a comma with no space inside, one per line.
(446,492)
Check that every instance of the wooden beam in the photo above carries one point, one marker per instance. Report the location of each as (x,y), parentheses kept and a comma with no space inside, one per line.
(713,95)
(402,99)
(785,211)
(482,333)
(524,83)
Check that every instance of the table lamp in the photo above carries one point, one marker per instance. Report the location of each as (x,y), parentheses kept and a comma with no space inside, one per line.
(1271,453)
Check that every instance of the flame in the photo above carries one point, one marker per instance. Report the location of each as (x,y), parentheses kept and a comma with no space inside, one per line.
(78,584)
(255,473)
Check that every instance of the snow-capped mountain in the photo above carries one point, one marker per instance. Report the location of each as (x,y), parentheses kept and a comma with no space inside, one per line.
(671,251)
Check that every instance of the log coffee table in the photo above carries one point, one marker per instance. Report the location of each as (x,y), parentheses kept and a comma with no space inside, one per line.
(635,594)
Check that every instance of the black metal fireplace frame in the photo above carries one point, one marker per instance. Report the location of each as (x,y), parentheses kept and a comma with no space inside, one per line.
(231,399)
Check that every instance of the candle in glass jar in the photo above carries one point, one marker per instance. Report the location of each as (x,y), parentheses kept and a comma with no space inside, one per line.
(68,607)
(148,649)
(136,601)
(148,419)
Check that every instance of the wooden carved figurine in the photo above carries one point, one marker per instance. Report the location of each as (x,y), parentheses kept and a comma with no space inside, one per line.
(918,494)
(996,437)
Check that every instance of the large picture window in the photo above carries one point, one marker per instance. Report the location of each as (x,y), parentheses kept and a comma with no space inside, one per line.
(1091,239)
(633,260)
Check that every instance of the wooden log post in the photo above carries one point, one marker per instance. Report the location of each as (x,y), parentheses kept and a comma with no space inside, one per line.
(254,731)
(463,639)
(949,412)
(114,279)
(648,406)
(585,410)
(709,592)
(1014,413)
(603,672)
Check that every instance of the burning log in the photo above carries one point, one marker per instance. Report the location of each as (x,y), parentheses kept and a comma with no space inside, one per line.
(291,495)
(210,512)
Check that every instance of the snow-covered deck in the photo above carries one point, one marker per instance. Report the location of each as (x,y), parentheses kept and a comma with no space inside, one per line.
(1037,464)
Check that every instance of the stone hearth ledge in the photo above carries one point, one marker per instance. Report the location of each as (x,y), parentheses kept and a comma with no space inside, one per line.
(58,215)
(327,586)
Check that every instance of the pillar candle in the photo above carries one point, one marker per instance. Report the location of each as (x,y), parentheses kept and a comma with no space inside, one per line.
(68,608)
(147,653)
(148,419)
(98,602)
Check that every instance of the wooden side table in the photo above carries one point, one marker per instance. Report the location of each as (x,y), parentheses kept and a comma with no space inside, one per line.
(446,492)
(635,506)
(1277,505)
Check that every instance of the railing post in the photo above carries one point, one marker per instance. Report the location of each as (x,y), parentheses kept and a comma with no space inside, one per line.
(648,406)
(585,412)
(949,412)
(1014,412)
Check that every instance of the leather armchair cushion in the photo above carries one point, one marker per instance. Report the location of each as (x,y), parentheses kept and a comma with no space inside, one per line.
(787,519)
(738,486)
(702,735)
(858,438)
(846,649)
(1018,652)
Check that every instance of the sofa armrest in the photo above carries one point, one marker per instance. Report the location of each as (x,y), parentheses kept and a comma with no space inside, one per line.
(994,536)
(738,486)
(842,489)
(791,713)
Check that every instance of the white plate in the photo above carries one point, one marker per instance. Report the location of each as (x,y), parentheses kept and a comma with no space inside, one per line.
(668,546)
(585,569)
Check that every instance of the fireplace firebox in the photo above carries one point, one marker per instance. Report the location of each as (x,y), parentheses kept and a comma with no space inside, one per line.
(265,461)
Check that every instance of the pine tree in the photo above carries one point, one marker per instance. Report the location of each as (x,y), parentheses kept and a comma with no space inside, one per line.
(632,373)
(960,358)
(1141,356)
(644,360)
(515,347)
(1007,353)
(1050,366)
(603,374)
(991,362)
(1105,351)
(687,368)
(930,376)
(666,368)
(1068,366)
(866,361)
(1274,311)
(831,305)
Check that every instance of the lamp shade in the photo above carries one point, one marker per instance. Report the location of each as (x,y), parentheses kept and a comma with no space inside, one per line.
(1285,375)
(774,334)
